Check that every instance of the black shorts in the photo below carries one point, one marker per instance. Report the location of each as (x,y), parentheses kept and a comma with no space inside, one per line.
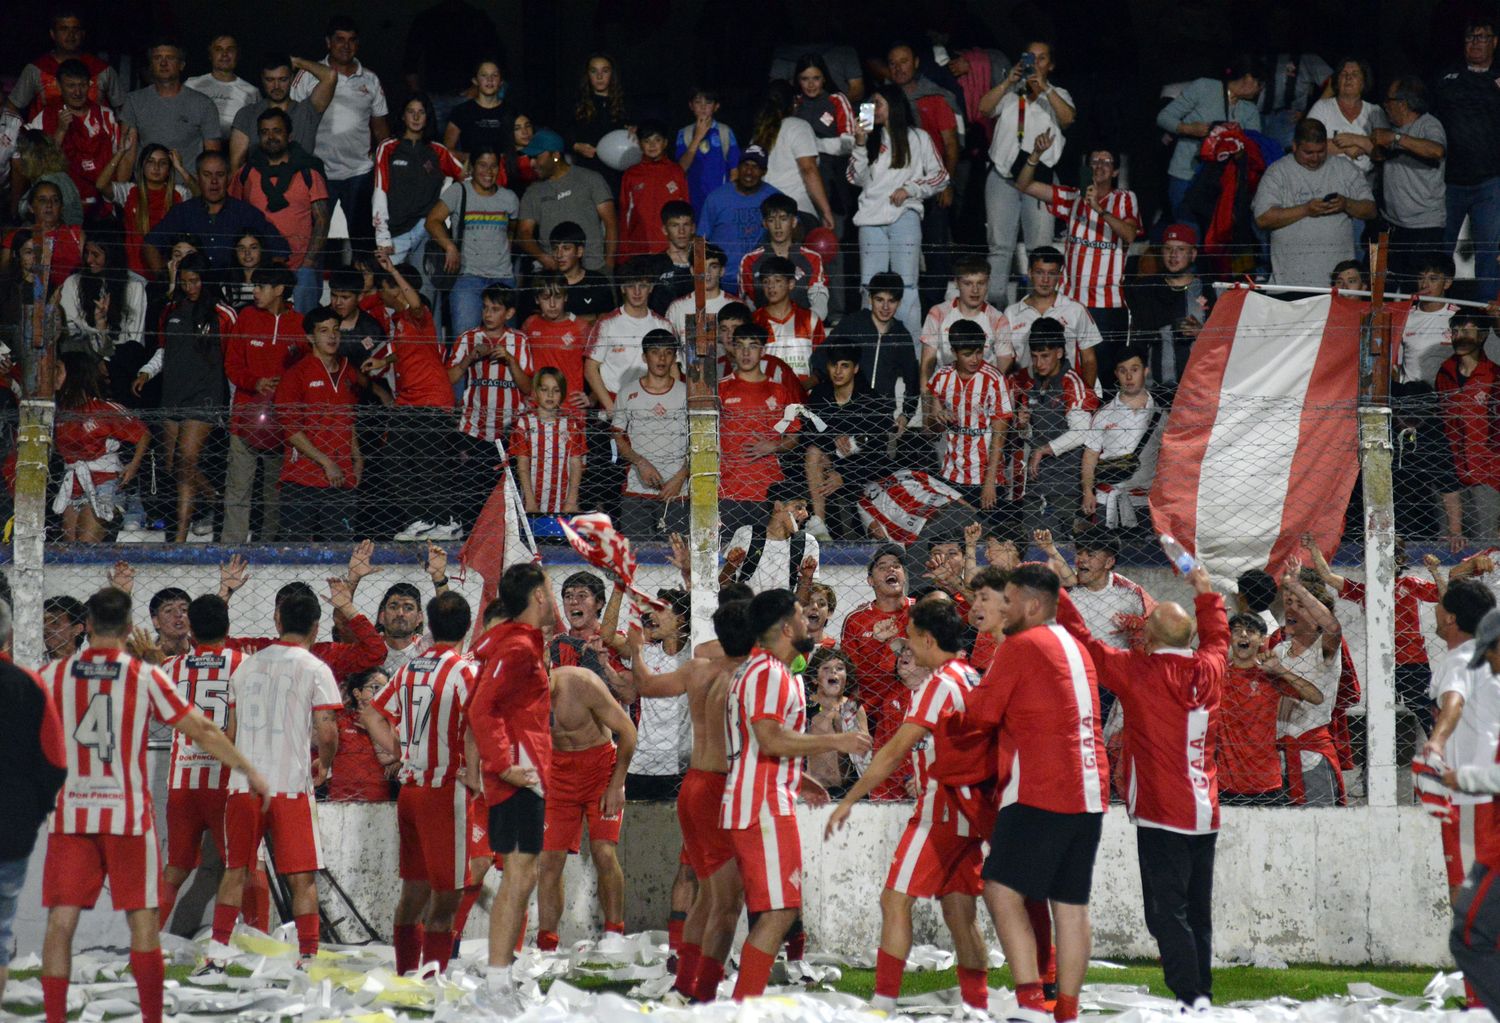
(1044,855)
(516,824)
(652,788)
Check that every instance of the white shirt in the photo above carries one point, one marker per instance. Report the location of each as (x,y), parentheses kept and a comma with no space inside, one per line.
(615,344)
(229,97)
(664,737)
(274,693)
(680,309)
(1005,147)
(1426,343)
(1079,329)
(344,133)
(1477,735)
(942,317)
(793,139)
(1101,609)
(775,568)
(1118,428)
(1296,717)
(1369,117)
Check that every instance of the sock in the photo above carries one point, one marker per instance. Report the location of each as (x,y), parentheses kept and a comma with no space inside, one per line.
(888,970)
(497,979)
(546,941)
(710,973)
(755,973)
(166,899)
(1040,915)
(149,972)
(437,946)
(256,902)
(408,941)
(796,945)
(617,927)
(974,986)
(1066,1010)
(224,918)
(687,969)
(674,930)
(1471,996)
(307,933)
(1029,996)
(55,998)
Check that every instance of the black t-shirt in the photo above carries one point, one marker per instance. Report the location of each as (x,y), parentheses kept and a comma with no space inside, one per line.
(594,295)
(481,128)
(1468,104)
(670,281)
(361,340)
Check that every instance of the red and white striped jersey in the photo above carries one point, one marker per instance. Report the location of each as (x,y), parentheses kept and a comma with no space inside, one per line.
(549,443)
(760,785)
(942,694)
(942,317)
(426,701)
(106,700)
(898,506)
(793,338)
(202,680)
(973,405)
(492,398)
(274,693)
(1094,253)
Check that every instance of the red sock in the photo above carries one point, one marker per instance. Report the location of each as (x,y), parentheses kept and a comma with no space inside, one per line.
(974,986)
(674,930)
(688,957)
(307,933)
(796,945)
(521,938)
(1066,1010)
(888,970)
(1471,996)
(149,972)
(55,998)
(1029,996)
(224,918)
(617,927)
(437,946)
(256,901)
(408,941)
(465,907)
(710,973)
(166,899)
(755,972)
(546,941)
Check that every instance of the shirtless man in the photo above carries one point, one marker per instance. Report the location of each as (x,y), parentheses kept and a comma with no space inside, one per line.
(708,931)
(588,784)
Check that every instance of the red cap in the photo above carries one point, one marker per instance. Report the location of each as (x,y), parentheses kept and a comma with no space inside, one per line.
(1185,233)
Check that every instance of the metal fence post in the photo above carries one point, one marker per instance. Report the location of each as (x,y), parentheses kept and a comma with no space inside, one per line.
(1379,670)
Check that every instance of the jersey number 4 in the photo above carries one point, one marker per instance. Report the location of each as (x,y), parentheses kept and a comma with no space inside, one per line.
(95,731)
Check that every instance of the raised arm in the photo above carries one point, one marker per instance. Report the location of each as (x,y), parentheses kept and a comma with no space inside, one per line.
(886,762)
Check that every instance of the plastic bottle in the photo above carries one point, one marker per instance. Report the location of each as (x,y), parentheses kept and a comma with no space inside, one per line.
(1178,554)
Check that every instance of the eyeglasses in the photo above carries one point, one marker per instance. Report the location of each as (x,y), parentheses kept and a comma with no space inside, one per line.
(1478,37)
(1103,161)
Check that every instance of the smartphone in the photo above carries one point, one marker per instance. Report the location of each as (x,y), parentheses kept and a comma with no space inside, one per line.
(867,116)
(1330,197)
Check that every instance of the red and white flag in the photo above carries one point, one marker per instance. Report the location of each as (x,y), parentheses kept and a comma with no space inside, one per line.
(594,536)
(898,506)
(501,537)
(1262,442)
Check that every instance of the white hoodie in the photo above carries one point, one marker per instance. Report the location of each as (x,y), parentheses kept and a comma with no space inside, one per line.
(924,175)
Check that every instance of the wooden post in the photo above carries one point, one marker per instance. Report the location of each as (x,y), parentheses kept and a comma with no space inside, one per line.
(33,452)
(701,355)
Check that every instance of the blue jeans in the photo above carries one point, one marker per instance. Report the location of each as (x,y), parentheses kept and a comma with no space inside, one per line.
(896,246)
(1010,216)
(307,295)
(1177,190)
(409,244)
(12,880)
(465,301)
(1480,203)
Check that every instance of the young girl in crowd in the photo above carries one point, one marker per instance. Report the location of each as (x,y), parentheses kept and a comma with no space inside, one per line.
(89,436)
(548,446)
(832,678)
(249,255)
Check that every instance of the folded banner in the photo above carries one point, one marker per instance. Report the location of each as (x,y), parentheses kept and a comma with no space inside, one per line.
(501,537)
(594,536)
(1262,444)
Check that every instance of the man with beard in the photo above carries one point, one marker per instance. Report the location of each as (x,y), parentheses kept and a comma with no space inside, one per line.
(276,82)
(767,718)
(1168,309)
(285,182)
(400,622)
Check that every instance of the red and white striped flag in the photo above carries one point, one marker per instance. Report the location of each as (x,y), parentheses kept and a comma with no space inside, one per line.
(501,537)
(899,505)
(594,536)
(1262,442)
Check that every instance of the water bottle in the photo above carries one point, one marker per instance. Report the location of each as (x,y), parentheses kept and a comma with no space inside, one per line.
(1178,554)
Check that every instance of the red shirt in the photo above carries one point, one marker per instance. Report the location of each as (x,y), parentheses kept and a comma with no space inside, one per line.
(1471,419)
(874,660)
(1245,738)
(511,708)
(262,345)
(358,776)
(51,90)
(421,380)
(67,251)
(295,219)
(644,190)
(936,117)
(89,143)
(319,405)
(750,412)
(366,651)
(560,344)
(1411,648)
(93,430)
(158,202)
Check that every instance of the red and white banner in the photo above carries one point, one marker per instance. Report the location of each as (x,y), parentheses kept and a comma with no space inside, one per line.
(501,537)
(594,536)
(898,506)
(1262,442)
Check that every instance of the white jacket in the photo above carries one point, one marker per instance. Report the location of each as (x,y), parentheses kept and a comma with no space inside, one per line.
(924,175)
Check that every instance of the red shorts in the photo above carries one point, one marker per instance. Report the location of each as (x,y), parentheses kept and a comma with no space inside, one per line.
(432,823)
(479,834)
(933,859)
(1458,838)
(578,780)
(291,824)
(191,812)
(77,865)
(769,854)
(705,845)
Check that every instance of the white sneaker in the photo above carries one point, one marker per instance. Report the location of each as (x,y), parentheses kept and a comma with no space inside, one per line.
(451,531)
(818,529)
(416,531)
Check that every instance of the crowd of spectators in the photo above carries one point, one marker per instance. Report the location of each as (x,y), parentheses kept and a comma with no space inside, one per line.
(508,291)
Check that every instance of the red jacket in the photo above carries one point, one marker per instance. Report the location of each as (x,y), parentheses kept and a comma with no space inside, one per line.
(644,190)
(320,406)
(343,659)
(511,708)
(1171,699)
(874,660)
(1471,419)
(262,345)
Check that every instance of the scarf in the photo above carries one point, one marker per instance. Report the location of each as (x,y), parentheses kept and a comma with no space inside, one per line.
(276,178)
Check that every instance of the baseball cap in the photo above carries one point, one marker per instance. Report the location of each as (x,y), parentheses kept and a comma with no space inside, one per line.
(1485,636)
(755,154)
(1185,233)
(659,337)
(545,141)
(894,550)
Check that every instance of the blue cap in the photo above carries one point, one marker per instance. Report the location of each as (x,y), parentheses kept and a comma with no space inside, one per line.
(545,141)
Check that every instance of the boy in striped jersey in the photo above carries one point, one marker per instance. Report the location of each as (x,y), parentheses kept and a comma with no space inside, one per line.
(103,826)
(767,717)
(971,404)
(422,710)
(940,853)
